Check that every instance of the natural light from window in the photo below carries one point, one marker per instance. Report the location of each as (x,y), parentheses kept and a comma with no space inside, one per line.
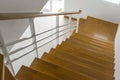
(113,1)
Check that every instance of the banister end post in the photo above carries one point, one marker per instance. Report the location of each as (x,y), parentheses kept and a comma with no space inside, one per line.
(79,11)
(78,18)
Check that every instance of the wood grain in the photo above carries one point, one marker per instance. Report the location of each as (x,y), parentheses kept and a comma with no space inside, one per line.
(26,73)
(99,29)
(56,71)
(76,68)
(9,16)
(1,67)
(8,75)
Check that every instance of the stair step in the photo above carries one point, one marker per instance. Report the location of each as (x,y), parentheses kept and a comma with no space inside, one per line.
(76,68)
(88,59)
(76,46)
(84,52)
(81,21)
(26,73)
(99,29)
(77,50)
(92,47)
(93,41)
(103,23)
(1,67)
(80,61)
(56,71)
(96,60)
(8,75)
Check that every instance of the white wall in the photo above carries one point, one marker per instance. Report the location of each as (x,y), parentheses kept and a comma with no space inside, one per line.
(20,6)
(117,55)
(96,8)
(15,28)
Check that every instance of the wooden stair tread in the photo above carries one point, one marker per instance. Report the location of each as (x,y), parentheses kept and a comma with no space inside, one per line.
(99,29)
(77,46)
(96,60)
(56,71)
(77,49)
(80,61)
(91,40)
(8,75)
(26,73)
(82,20)
(1,67)
(83,51)
(91,46)
(76,68)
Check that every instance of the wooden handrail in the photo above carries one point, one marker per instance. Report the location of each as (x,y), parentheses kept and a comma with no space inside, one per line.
(8,16)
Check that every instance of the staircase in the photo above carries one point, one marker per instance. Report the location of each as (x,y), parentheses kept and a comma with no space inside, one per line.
(86,55)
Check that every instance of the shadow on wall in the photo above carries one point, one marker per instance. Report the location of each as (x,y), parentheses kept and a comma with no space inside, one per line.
(21,5)
(14,29)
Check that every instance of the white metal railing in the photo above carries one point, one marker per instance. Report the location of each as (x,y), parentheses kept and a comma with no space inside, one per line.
(72,26)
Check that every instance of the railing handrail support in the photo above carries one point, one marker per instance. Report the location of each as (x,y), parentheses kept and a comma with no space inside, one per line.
(32,29)
(5,53)
(70,20)
(57,26)
(77,26)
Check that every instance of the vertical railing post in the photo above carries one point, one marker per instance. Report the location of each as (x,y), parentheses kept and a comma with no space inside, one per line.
(57,26)
(6,55)
(70,20)
(77,25)
(32,28)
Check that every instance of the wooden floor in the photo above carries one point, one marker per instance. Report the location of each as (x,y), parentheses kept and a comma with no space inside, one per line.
(87,55)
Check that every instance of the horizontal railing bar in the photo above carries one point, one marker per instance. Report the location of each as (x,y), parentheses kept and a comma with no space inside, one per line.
(17,41)
(9,16)
(14,42)
(53,39)
(37,48)
(54,34)
(21,56)
(17,50)
(54,28)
